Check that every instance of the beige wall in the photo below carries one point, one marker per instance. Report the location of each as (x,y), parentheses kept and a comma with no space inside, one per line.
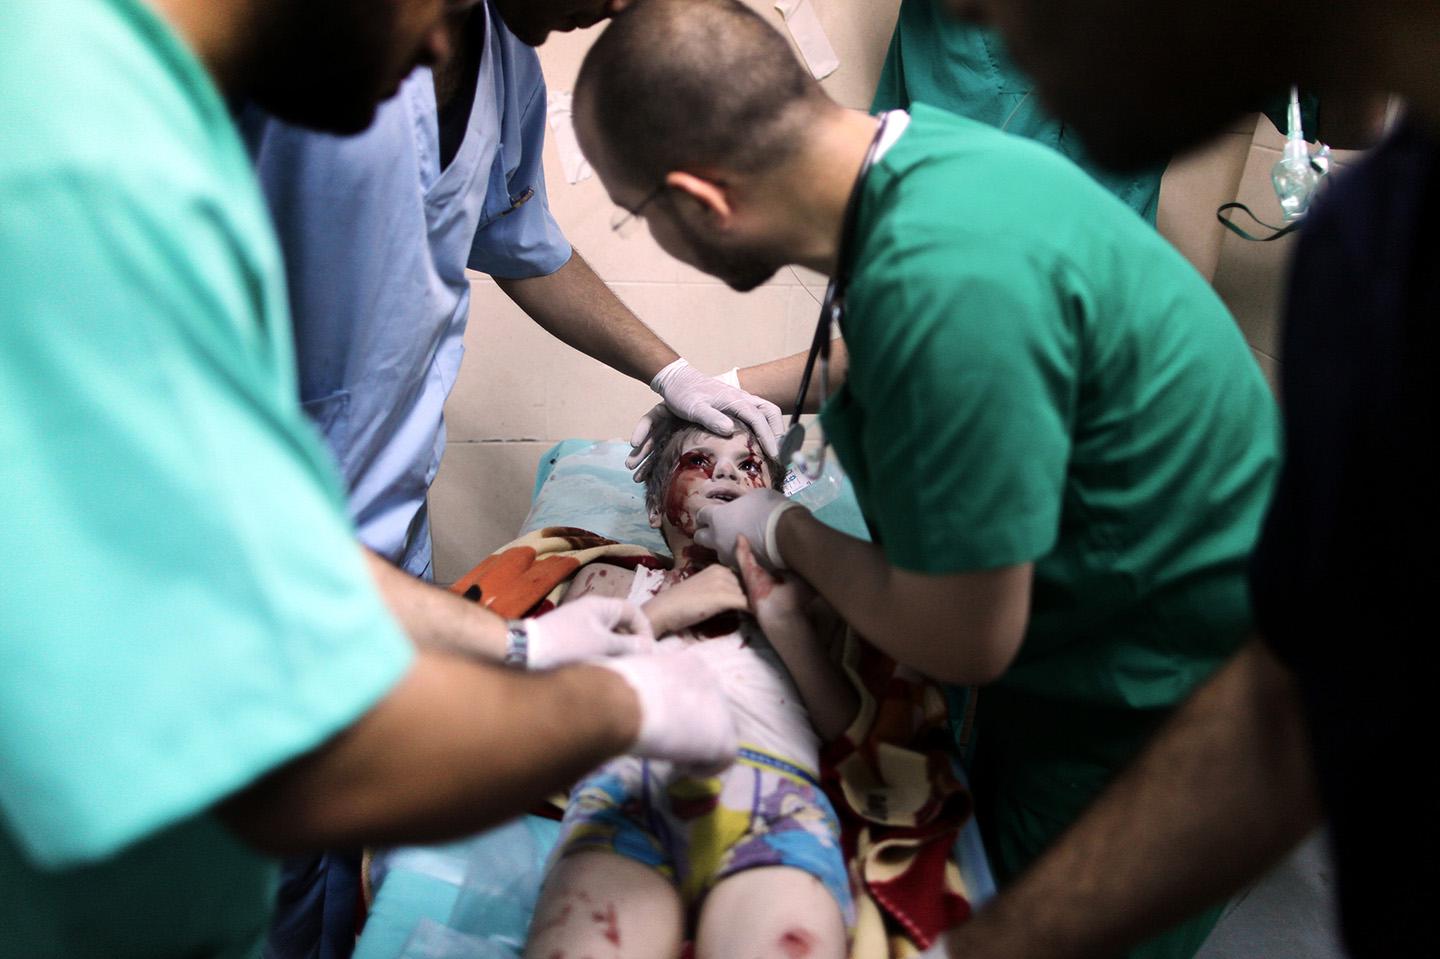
(520,390)
(1249,276)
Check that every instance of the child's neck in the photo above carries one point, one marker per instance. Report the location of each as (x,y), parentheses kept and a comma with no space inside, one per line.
(689,557)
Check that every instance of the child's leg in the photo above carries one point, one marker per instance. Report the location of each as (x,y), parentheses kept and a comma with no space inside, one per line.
(600,905)
(774,912)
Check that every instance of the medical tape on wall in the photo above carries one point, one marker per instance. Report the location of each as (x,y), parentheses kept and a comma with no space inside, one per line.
(572,161)
(804,25)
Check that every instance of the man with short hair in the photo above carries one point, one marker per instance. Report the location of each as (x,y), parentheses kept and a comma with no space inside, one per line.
(1056,432)
(1324,714)
(197,672)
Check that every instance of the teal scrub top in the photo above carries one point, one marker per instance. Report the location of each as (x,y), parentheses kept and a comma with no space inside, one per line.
(184,605)
(938,59)
(1037,377)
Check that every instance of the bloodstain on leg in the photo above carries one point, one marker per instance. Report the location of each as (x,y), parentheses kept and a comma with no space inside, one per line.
(797,944)
(612,927)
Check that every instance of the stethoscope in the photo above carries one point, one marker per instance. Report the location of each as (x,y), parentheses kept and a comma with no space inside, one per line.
(832,311)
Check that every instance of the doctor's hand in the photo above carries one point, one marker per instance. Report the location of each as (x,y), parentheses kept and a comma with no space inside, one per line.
(685,714)
(584,629)
(714,403)
(753,516)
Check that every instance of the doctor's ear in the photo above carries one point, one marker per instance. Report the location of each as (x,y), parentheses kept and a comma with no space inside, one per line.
(711,196)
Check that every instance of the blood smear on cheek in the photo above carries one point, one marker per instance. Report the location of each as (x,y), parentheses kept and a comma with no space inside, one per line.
(683,479)
(755,480)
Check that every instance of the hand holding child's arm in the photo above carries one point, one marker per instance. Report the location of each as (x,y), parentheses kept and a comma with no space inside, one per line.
(780,601)
(713,590)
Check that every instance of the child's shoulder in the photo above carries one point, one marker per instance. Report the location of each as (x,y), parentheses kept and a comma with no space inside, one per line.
(601,579)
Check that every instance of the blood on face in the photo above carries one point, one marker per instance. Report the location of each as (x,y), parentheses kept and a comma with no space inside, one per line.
(697,466)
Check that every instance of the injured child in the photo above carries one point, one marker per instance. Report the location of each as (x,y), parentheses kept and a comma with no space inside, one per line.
(748,862)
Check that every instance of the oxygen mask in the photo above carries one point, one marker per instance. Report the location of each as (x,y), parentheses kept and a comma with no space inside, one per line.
(1297,174)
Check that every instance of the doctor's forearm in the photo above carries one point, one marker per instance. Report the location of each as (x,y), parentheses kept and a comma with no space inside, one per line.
(779,380)
(435,618)
(957,628)
(576,307)
(456,746)
(1225,789)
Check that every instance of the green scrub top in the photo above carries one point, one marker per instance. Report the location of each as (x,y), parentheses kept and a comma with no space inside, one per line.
(1037,377)
(938,59)
(184,605)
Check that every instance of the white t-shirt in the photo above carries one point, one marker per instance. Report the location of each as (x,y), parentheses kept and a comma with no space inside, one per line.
(769,715)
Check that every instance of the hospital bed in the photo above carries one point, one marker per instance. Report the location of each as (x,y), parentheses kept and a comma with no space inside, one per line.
(473,898)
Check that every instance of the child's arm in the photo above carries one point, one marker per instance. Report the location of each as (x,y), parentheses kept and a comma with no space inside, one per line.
(779,603)
(708,593)
(711,591)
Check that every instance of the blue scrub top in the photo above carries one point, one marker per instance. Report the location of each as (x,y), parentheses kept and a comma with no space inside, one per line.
(376,239)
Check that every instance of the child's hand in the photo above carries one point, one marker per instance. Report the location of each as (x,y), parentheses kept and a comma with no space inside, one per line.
(713,590)
(776,598)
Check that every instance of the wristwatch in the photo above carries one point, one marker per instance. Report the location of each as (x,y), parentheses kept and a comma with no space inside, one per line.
(517,643)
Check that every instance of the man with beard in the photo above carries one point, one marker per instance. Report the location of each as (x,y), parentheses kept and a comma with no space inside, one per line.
(197,672)
(1323,716)
(1058,437)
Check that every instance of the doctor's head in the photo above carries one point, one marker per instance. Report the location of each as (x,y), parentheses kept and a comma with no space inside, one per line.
(1141,80)
(327,64)
(694,113)
(694,469)
(533,20)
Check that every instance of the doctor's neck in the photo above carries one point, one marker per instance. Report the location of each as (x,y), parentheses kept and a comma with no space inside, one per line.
(813,191)
(218,32)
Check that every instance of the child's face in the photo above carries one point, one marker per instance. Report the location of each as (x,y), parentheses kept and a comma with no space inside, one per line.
(710,470)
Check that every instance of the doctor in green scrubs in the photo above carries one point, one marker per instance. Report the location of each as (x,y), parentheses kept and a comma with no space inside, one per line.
(1056,432)
(964,68)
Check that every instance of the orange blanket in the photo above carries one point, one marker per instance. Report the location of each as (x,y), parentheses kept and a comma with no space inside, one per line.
(529,576)
(901,807)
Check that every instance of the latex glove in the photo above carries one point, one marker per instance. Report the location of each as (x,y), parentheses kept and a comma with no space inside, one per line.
(713,403)
(753,516)
(642,444)
(685,714)
(586,628)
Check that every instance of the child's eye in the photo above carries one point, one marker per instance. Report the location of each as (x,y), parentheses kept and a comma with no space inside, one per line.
(750,466)
(697,459)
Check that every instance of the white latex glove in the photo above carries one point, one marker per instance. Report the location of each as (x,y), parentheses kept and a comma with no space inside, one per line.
(753,516)
(589,627)
(685,715)
(642,444)
(713,403)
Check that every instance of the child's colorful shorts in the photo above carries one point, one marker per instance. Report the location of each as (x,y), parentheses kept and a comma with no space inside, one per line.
(762,811)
